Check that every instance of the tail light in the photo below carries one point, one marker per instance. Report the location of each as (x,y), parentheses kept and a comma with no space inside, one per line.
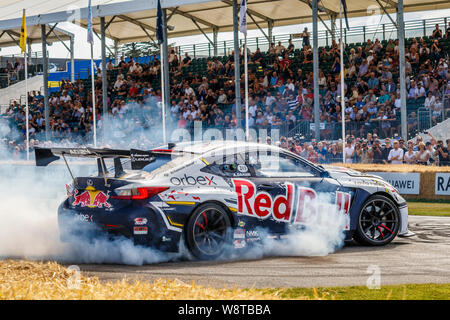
(138,193)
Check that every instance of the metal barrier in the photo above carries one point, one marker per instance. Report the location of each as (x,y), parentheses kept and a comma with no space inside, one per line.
(423,119)
(302,129)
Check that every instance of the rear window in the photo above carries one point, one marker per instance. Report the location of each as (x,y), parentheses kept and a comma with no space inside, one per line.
(161,164)
(160,161)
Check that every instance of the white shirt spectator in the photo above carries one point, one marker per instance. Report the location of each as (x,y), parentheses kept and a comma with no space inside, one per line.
(348,154)
(270,100)
(252,109)
(397,154)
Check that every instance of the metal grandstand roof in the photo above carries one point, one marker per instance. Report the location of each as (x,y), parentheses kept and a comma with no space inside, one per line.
(130,21)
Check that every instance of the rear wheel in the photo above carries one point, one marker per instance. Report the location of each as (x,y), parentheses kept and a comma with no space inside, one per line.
(208,231)
(378,221)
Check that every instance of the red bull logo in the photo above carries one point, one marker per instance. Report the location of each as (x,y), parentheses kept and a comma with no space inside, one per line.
(91,198)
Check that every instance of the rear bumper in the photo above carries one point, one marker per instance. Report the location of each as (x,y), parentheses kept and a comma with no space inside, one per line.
(141,224)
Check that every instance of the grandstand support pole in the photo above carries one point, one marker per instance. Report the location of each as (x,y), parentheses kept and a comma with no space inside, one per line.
(163,102)
(72,58)
(215,43)
(104,75)
(315,14)
(166,59)
(247,131)
(116,52)
(27,130)
(270,31)
(94,112)
(237,67)
(45,80)
(341,49)
(165,70)
(401,44)
(333,26)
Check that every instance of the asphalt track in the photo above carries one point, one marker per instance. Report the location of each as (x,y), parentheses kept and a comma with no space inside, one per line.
(424,258)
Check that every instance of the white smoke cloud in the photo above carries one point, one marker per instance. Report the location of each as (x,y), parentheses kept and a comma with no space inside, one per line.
(30,197)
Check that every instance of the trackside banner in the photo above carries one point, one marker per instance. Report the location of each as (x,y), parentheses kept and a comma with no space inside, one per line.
(405,183)
(442,184)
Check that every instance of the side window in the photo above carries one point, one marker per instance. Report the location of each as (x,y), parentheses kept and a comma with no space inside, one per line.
(280,165)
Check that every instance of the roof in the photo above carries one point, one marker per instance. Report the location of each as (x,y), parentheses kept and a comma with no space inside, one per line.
(133,21)
(11,37)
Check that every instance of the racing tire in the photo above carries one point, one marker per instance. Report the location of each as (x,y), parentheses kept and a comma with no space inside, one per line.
(378,221)
(208,231)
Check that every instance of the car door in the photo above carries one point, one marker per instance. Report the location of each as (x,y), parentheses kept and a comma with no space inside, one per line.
(289,182)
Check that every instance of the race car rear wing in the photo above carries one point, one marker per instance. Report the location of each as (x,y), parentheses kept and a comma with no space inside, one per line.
(139,158)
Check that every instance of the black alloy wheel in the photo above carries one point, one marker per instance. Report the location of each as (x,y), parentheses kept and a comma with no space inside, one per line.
(378,221)
(208,231)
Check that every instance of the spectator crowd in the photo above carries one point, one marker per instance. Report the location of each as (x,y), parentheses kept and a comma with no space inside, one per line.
(280,97)
(371,149)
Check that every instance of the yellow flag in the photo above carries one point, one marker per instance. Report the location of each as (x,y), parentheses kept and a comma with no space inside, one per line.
(23,34)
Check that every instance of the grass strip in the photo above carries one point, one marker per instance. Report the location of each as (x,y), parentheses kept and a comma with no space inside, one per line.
(390,292)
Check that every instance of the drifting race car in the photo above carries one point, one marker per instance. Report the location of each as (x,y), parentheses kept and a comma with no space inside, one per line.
(209,195)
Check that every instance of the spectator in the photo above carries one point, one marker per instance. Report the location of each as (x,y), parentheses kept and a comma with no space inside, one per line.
(349,150)
(305,36)
(422,154)
(443,154)
(437,33)
(396,154)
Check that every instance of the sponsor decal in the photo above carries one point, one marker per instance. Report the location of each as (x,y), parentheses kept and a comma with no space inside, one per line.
(442,184)
(239,244)
(80,152)
(91,198)
(262,205)
(242,174)
(140,230)
(140,221)
(166,239)
(242,168)
(239,234)
(252,234)
(84,217)
(343,206)
(308,210)
(192,181)
(241,224)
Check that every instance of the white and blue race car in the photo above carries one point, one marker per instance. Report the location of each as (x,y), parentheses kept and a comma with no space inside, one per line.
(208,195)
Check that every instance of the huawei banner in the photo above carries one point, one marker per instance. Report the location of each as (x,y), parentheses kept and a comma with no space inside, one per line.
(405,183)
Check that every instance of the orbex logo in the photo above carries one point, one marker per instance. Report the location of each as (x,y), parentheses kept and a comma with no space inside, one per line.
(192,181)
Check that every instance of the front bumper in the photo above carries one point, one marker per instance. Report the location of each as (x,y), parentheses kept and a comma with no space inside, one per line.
(404,232)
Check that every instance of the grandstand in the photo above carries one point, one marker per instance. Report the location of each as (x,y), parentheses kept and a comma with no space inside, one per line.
(281,96)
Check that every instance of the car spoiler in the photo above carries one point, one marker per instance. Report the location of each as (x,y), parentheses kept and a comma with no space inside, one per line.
(139,158)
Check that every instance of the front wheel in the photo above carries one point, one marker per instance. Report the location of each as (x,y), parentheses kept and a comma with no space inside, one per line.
(378,221)
(208,231)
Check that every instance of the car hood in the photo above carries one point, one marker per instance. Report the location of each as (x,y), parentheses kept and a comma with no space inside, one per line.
(343,172)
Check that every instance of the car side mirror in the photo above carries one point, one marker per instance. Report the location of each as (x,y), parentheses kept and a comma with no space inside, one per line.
(324,174)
